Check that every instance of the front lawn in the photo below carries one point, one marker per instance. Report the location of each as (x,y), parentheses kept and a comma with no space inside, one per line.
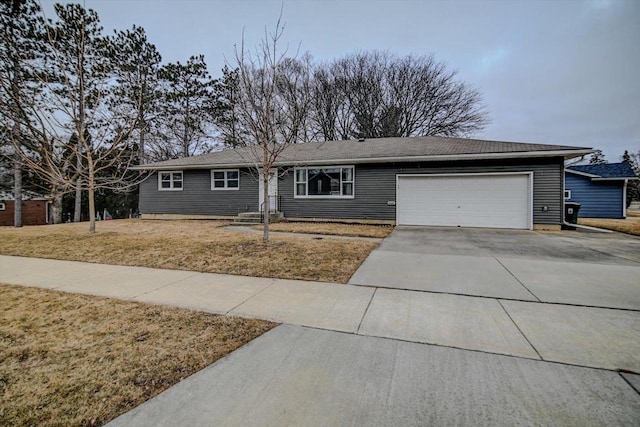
(190,245)
(629,226)
(68,359)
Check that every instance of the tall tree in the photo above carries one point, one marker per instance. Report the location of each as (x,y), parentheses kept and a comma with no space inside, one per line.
(20,42)
(188,104)
(226,93)
(597,158)
(273,98)
(137,76)
(633,186)
(79,126)
(376,94)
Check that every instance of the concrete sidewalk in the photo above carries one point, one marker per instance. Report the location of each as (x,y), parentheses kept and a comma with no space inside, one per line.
(584,336)
(295,376)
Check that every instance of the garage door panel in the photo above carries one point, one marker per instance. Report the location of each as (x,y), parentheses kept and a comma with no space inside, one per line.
(497,201)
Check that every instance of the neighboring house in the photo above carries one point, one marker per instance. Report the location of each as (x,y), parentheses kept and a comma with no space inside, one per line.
(600,189)
(35,209)
(407,181)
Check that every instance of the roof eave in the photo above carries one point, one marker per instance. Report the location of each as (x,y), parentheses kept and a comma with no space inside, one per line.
(575,172)
(617,178)
(567,154)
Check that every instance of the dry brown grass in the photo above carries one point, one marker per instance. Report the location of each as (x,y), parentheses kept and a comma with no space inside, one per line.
(629,226)
(189,245)
(68,359)
(634,214)
(351,230)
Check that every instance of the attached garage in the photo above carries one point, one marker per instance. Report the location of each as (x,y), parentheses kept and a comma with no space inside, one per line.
(501,200)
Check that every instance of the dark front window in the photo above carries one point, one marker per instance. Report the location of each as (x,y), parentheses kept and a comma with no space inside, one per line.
(325,182)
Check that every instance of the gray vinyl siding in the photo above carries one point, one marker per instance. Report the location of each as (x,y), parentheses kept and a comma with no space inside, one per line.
(197,198)
(375,186)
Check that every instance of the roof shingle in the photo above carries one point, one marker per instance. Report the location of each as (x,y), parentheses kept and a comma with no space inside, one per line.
(377,149)
(607,170)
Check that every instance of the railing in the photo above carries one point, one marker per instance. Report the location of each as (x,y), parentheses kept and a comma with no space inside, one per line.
(271,208)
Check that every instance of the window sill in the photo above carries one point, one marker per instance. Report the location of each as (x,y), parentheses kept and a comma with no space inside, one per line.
(324,197)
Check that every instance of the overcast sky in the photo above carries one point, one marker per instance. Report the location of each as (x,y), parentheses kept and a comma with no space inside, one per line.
(557,72)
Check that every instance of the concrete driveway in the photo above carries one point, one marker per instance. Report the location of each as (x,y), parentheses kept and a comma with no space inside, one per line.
(578,268)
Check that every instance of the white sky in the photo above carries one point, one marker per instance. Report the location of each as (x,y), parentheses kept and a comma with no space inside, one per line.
(551,71)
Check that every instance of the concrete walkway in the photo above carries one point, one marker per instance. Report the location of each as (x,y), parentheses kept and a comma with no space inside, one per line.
(362,355)
(584,336)
(296,376)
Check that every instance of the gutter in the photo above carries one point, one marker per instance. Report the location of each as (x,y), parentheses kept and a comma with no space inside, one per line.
(433,158)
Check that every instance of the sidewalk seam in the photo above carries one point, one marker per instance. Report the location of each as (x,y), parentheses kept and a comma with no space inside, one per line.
(520,330)
(628,382)
(164,286)
(518,280)
(273,282)
(366,310)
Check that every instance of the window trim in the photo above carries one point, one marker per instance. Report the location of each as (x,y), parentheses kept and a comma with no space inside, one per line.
(567,194)
(3,207)
(171,181)
(327,196)
(226,180)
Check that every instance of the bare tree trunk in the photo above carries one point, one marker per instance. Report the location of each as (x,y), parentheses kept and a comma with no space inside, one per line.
(92,210)
(92,202)
(266,170)
(77,210)
(17,194)
(141,154)
(56,209)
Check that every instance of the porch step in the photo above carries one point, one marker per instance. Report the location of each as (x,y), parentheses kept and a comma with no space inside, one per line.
(253,218)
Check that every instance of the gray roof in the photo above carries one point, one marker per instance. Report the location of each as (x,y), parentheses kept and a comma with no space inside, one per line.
(428,148)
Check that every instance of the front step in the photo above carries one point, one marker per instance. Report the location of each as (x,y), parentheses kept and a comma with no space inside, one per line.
(253,218)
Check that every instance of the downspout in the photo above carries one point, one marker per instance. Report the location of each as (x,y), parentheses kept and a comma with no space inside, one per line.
(624,199)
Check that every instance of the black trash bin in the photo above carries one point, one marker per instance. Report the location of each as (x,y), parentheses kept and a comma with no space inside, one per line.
(571,210)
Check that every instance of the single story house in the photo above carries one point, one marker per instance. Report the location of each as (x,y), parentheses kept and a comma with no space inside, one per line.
(600,189)
(35,209)
(407,181)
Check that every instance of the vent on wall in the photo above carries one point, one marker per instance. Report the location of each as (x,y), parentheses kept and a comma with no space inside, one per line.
(2,206)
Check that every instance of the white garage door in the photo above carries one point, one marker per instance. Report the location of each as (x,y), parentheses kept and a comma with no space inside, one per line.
(496,201)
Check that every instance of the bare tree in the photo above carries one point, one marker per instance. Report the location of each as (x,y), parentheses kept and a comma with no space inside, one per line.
(376,94)
(271,106)
(77,125)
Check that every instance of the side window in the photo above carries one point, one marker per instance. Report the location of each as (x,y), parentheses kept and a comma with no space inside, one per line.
(170,180)
(225,179)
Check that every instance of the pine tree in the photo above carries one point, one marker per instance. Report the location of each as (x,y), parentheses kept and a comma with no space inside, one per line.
(21,30)
(188,105)
(597,158)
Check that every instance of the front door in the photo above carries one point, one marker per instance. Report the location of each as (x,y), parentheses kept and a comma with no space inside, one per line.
(273,192)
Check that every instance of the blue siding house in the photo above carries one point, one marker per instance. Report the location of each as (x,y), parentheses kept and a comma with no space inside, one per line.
(600,189)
